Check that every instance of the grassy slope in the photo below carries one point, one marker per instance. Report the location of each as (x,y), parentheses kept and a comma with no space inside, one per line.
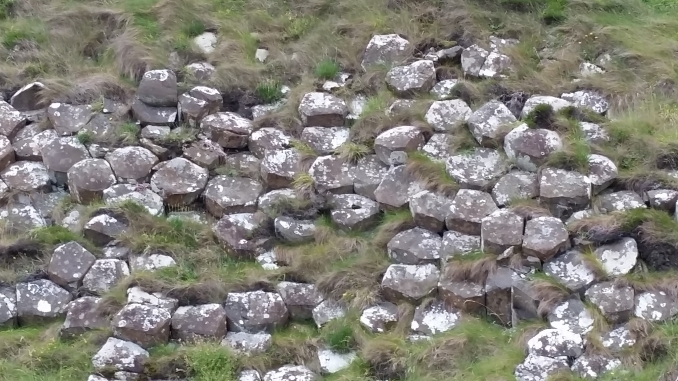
(107,45)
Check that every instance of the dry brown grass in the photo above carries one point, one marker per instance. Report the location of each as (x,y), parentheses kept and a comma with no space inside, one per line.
(549,293)
(528,208)
(471,268)
(431,174)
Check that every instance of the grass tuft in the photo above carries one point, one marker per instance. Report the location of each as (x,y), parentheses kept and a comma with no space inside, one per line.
(210,362)
(352,151)
(431,174)
(327,69)
(269,91)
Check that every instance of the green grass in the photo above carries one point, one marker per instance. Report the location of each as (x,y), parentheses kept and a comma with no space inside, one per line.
(36,354)
(210,362)
(327,69)
(85,137)
(269,91)
(338,335)
(128,133)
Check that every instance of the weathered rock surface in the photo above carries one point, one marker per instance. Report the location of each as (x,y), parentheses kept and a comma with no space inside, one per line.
(501,230)
(229,195)
(545,237)
(104,275)
(227,129)
(87,180)
(429,210)
(409,282)
(353,212)
(434,318)
(385,49)
(415,78)
(322,110)
(179,182)
(332,174)
(448,116)
(69,264)
(120,355)
(414,247)
(479,170)
(41,299)
(255,311)
(379,318)
(570,270)
(530,148)
(195,323)
(142,324)
(243,233)
(571,316)
(618,258)
(490,123)
(402,138)
(564,192)
(615,302)
(467,211)
(279,167)
(83,315)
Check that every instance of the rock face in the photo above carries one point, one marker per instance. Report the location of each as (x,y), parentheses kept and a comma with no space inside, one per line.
(104,275)
(158,88)
(409,282)
(255,311)
(429,210)
(278,168)
(448,116)
(41,299)
(417,77)
(120,355)
(414,247)
(615,302)
(571,316)
(379,318)
(544,237)
(353,212)
(385,49)
(132,164)
(300,299)
(88,179)
(322,110)
(142,324)
(403,139)
(434,318)
(618,258)
(69,264)
(11,120)
(191,323)
(291,372)
(515,185)
(228,195)
(243,233)
(467,211)
(59,155)
(570,270)
(556,343)
(83,315)
(332,174)
(564,192)
(68,119)
(501,230)
(490,123)
(530,148)
(179,182)
(227,129)
(480,169)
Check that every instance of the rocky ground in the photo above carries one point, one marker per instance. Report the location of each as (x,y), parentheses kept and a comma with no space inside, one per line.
(470,203)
